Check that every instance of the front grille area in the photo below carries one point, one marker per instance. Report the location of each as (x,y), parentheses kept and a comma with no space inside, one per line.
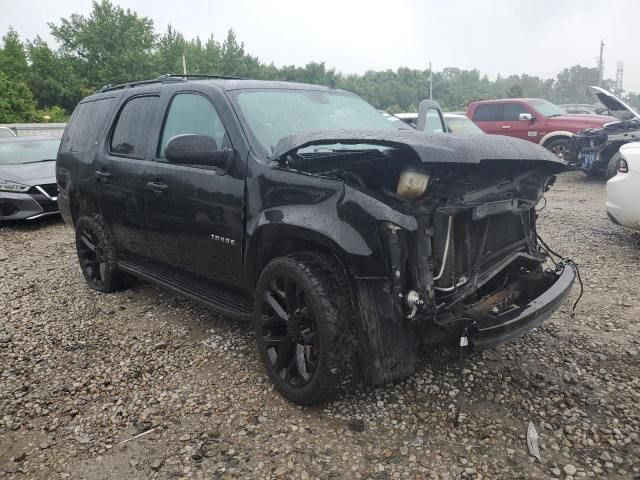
(43,200)
(50,188)
(505,235)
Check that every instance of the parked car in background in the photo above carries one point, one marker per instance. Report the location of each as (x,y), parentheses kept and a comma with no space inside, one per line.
(623,189)
(596,150)
(455,123)
(461,124)
(6,132)
(532,119)
(584,108)
(349,240)
(27,178)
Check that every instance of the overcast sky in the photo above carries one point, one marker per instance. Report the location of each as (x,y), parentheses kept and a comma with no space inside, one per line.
(496,36)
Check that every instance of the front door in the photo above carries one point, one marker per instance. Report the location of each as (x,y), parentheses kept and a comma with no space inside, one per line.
(121,169)
(515,127)
(195,214)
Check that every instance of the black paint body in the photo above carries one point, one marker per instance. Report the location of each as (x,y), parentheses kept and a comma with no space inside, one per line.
(208,232)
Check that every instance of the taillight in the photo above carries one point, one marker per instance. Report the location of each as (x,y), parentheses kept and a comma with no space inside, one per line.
(622,166)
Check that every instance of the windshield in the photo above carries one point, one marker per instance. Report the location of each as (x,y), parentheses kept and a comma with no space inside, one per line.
(462,126)
(271,115)
(546,109)
(28,151)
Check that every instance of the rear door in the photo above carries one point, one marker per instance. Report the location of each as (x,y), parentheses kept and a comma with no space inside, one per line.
(489,117)
(195,213)
(120,170)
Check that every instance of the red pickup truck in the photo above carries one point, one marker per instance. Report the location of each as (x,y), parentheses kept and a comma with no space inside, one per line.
(532,119)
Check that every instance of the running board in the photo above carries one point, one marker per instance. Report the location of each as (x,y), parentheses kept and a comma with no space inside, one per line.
(223,302)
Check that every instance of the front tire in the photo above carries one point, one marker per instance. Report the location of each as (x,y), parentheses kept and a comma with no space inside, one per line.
(97,256)
(558,147)
(302,320)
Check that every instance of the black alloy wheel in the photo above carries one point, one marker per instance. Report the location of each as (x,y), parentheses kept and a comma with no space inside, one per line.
(97,256)
(303,326)
(92,257)
(289,331)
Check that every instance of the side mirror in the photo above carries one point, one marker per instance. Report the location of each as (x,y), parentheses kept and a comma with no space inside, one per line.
(525,116)
(194,149)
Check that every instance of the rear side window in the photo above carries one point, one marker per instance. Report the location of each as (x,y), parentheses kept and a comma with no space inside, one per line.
(490,112)
(85,124)
(131,130)
(192,113)
(512,111)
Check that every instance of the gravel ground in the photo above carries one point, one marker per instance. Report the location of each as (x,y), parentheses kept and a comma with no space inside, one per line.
(82,373)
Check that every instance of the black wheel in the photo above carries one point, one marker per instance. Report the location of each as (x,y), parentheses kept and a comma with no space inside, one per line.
(97,256)
(302,319)
(612,166)
(559,147)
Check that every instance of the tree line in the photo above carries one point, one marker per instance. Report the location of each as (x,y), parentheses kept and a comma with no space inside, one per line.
(112,45)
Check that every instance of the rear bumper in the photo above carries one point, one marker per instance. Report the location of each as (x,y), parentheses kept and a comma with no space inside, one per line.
(23,206)
(539,309)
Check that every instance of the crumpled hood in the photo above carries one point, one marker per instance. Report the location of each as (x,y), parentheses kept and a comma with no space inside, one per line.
(30,174)
(437,147)
(617,108)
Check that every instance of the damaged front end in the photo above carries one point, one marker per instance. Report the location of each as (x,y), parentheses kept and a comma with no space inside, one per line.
(465,259)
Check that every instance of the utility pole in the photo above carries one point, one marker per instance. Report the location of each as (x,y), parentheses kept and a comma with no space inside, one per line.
(184,66)
(619,72)
(601,63)
(430,82)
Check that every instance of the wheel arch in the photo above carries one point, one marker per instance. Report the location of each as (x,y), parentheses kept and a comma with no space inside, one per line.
(553,136)
(271,241)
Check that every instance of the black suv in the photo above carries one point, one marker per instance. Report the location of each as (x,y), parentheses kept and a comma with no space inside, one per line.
(348,238)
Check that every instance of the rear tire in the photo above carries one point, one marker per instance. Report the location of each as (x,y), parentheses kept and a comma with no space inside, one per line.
(558,147)
(303,327)
(97,256)
(612,166)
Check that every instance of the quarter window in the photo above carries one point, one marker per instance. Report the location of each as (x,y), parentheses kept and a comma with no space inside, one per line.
(192,113)
(132,127)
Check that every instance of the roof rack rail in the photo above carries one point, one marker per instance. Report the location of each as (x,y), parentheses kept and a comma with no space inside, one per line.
(166,78)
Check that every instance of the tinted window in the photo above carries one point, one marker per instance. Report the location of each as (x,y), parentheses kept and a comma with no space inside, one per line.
(512,111)
(132,127)
(84,125)
(491,112)
(192,113)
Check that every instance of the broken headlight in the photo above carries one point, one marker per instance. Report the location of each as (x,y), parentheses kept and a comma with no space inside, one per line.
(412,183)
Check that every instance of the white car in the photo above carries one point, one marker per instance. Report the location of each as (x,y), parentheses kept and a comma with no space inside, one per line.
(456,123)
(623,190)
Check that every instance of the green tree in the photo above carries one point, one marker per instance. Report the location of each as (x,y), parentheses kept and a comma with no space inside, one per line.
(16,101)
(109,46)
(13,58)
(52,80)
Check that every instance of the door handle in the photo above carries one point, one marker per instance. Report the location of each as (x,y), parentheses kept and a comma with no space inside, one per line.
(506,126)
(157,187)
(102,175)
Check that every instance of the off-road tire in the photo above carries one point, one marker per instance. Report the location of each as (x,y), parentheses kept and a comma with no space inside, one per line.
(324,284)
(111,279)
(612,166)
(556,144)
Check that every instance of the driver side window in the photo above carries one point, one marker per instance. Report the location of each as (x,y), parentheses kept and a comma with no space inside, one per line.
(191,113)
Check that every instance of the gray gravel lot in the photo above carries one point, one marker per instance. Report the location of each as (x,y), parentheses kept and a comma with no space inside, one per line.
(81,372)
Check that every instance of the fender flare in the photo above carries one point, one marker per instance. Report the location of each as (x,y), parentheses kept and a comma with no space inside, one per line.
(556,133)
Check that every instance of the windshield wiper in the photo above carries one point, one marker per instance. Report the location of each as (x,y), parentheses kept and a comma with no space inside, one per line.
(43,160)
